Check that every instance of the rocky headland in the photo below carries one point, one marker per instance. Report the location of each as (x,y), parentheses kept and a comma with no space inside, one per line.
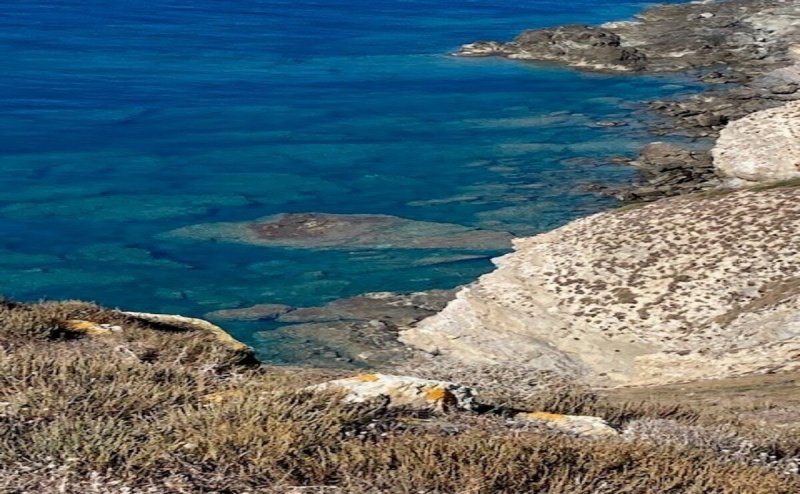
(703,285)
(746,49)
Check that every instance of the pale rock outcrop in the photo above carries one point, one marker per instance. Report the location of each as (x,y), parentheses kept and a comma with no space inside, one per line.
(685,288)
(193,323)
(762,147)
(439,396)
(583,425)
(406,391)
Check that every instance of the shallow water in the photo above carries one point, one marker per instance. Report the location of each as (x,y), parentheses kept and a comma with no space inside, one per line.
(125,120)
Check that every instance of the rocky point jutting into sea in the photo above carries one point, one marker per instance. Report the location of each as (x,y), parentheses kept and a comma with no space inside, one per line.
(747,48)
(699,286)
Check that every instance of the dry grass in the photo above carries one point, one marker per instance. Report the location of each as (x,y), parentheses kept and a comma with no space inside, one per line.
(128,414)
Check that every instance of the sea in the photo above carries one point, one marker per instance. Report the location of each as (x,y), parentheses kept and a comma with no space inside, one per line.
(121,121)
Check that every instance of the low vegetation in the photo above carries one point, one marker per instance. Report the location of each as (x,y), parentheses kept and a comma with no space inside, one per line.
(152,409)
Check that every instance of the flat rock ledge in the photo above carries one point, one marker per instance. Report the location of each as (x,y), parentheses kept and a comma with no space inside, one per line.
(745,34)
(686,288)
(762,147)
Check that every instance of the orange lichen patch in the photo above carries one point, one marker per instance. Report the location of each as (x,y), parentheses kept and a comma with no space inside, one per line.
(88,327)
(437,394)
(546,416)
(368,378)
(220,396)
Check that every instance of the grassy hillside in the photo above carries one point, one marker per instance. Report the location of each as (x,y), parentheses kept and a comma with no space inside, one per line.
(96,401)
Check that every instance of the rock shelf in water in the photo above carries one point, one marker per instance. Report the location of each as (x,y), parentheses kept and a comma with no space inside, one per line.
(343,231)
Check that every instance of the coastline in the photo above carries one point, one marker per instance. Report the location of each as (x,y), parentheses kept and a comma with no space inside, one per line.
(746,50)
(745,86)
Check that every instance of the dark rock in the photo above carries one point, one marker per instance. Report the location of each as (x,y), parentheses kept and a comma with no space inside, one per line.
(260,312)
(584,46)
(359,331)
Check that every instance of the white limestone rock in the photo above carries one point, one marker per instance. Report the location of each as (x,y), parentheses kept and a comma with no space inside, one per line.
(762,147)
(423,394)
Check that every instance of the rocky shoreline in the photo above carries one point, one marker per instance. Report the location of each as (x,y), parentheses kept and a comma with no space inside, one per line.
(747,49)
(761,74)
(695,287)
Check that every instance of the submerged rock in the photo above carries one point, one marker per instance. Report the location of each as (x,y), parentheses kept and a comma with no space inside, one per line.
(259,312)
(668,170)
(356,231)
(358,331)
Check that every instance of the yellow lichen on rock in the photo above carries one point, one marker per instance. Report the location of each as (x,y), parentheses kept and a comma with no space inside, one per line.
(402,391)
(367,378)
(437,394)
(221,396)
(550,417)
(582,425)
(90,328)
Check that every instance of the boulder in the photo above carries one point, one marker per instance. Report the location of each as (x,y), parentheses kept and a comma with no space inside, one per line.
(406,391)
(762,147)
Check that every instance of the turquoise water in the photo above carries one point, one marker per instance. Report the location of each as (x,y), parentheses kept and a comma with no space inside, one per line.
(124,120)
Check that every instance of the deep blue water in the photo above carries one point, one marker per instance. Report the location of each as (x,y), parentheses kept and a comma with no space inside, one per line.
(122,120)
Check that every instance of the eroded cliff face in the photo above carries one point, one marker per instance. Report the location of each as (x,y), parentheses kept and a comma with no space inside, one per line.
(686,288)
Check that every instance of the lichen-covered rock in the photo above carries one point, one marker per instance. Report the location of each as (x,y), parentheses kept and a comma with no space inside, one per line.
(413,392)
(762,147)
(92,328)
(583,425)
